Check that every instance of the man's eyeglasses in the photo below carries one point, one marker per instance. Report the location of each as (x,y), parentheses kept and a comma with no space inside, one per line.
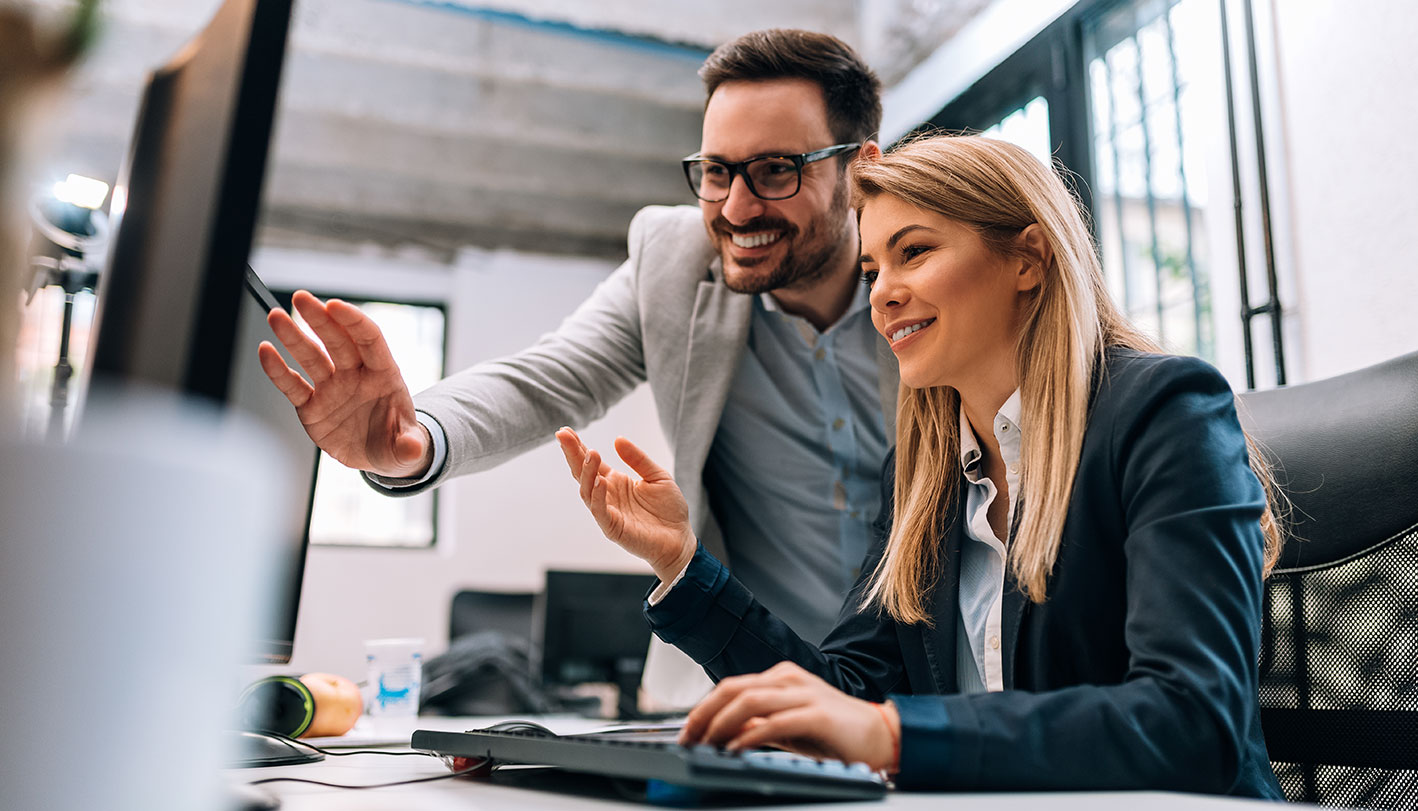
(774,177)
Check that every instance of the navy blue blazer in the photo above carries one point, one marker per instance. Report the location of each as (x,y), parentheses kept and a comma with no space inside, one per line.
(1140,669)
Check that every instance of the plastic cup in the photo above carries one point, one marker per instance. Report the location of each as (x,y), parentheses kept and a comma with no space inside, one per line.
(395,668)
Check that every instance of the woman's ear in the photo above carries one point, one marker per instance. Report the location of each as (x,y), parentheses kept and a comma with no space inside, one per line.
(869,151)
(1037,253)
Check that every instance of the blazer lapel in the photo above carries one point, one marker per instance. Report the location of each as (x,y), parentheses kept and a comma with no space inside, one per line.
(1012,608)
(718,337)
(940,640)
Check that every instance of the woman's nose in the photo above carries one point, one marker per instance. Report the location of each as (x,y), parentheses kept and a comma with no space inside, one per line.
(886,293)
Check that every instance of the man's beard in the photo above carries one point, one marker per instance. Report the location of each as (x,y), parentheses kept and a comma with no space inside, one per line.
(808,256)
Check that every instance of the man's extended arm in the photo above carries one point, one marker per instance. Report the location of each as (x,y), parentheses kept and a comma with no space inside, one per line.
(498,409)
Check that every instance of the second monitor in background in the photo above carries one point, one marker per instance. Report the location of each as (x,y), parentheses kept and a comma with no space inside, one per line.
(593,631)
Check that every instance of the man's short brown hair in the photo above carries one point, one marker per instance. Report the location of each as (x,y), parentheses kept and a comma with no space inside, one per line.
(850,88)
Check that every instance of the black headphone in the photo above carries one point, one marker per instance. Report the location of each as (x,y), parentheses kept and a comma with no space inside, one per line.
(280,704)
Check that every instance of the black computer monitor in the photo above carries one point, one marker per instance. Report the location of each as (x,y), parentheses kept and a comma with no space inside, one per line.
(185,206)
(593,630)
(172,311)
(250,392)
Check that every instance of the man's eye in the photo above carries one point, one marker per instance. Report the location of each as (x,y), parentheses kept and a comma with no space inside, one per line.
(868,278)
(714,170)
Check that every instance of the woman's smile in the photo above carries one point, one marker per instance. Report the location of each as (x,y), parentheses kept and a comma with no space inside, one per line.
(900,334)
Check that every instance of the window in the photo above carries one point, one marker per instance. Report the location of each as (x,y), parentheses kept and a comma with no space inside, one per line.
(346,511)
(1149,99)
(1135,100)
(1028,127)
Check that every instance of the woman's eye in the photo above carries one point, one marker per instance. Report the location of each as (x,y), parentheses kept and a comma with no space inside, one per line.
(868,278)
(912,251)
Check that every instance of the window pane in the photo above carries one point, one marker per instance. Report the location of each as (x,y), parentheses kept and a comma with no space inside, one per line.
(1028,127)
(346,510)
(1150,163)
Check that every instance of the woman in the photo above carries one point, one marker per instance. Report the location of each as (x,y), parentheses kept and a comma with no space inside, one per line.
(1066,588)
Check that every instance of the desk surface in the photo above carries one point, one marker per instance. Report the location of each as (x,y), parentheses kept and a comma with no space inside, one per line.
(520,789)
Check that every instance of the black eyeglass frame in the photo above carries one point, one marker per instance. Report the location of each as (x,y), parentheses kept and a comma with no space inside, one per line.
(741,168)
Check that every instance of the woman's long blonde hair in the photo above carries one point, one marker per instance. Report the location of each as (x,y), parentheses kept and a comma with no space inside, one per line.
(998,190)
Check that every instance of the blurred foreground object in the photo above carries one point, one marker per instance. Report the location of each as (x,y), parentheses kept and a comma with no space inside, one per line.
(134,570)
(68,251)
(34,60)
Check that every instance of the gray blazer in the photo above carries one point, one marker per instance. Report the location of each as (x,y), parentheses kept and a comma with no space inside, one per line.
(664,316)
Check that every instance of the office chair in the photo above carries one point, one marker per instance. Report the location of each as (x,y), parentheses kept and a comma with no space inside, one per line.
(508,612)
(1339,654)
(491,662)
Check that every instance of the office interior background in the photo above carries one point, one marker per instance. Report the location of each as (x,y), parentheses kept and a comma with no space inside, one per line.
(469,170)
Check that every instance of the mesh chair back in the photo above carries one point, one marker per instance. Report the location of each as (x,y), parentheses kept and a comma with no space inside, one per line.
(1339,656)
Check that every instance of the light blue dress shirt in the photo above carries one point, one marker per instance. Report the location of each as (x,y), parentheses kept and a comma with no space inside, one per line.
(978,658)
(794,474)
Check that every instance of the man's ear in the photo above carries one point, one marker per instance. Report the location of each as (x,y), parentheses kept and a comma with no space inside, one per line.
(1038,255)
(869,151)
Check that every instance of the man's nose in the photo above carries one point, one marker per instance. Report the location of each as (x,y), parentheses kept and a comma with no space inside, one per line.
(742,204)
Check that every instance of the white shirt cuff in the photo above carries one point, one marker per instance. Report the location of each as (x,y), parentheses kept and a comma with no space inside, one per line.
(664,588)
(440,455)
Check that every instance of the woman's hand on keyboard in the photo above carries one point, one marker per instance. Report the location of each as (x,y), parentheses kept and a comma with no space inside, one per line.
(788,707)
(647,516)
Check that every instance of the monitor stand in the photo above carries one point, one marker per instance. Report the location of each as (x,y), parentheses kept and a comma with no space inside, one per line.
(627,684)
(256,749)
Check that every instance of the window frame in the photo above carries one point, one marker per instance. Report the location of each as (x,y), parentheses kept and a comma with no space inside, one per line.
(1048,65)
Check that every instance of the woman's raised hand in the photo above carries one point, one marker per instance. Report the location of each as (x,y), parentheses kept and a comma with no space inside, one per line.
(646,516)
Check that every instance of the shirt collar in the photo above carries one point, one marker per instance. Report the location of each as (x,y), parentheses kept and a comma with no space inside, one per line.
(861,300)
(970,446)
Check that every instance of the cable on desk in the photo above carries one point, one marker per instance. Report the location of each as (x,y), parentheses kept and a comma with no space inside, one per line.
(289,741)
(460,773)
(479,763)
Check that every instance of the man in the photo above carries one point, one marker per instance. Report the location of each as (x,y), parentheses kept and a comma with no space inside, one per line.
(747,318)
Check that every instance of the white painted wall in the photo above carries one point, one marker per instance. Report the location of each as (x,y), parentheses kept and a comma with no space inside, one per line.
(498,530)
(1348,123)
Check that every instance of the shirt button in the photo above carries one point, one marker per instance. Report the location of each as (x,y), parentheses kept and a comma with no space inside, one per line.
(1004,428)
(820,353)
(838,423)
(994,643)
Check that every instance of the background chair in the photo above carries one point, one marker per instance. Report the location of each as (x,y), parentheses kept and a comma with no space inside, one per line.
(521,652)
(508,612)
(1339,658)
(490,667)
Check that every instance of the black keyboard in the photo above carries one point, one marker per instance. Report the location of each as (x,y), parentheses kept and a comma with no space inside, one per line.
(704,768)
